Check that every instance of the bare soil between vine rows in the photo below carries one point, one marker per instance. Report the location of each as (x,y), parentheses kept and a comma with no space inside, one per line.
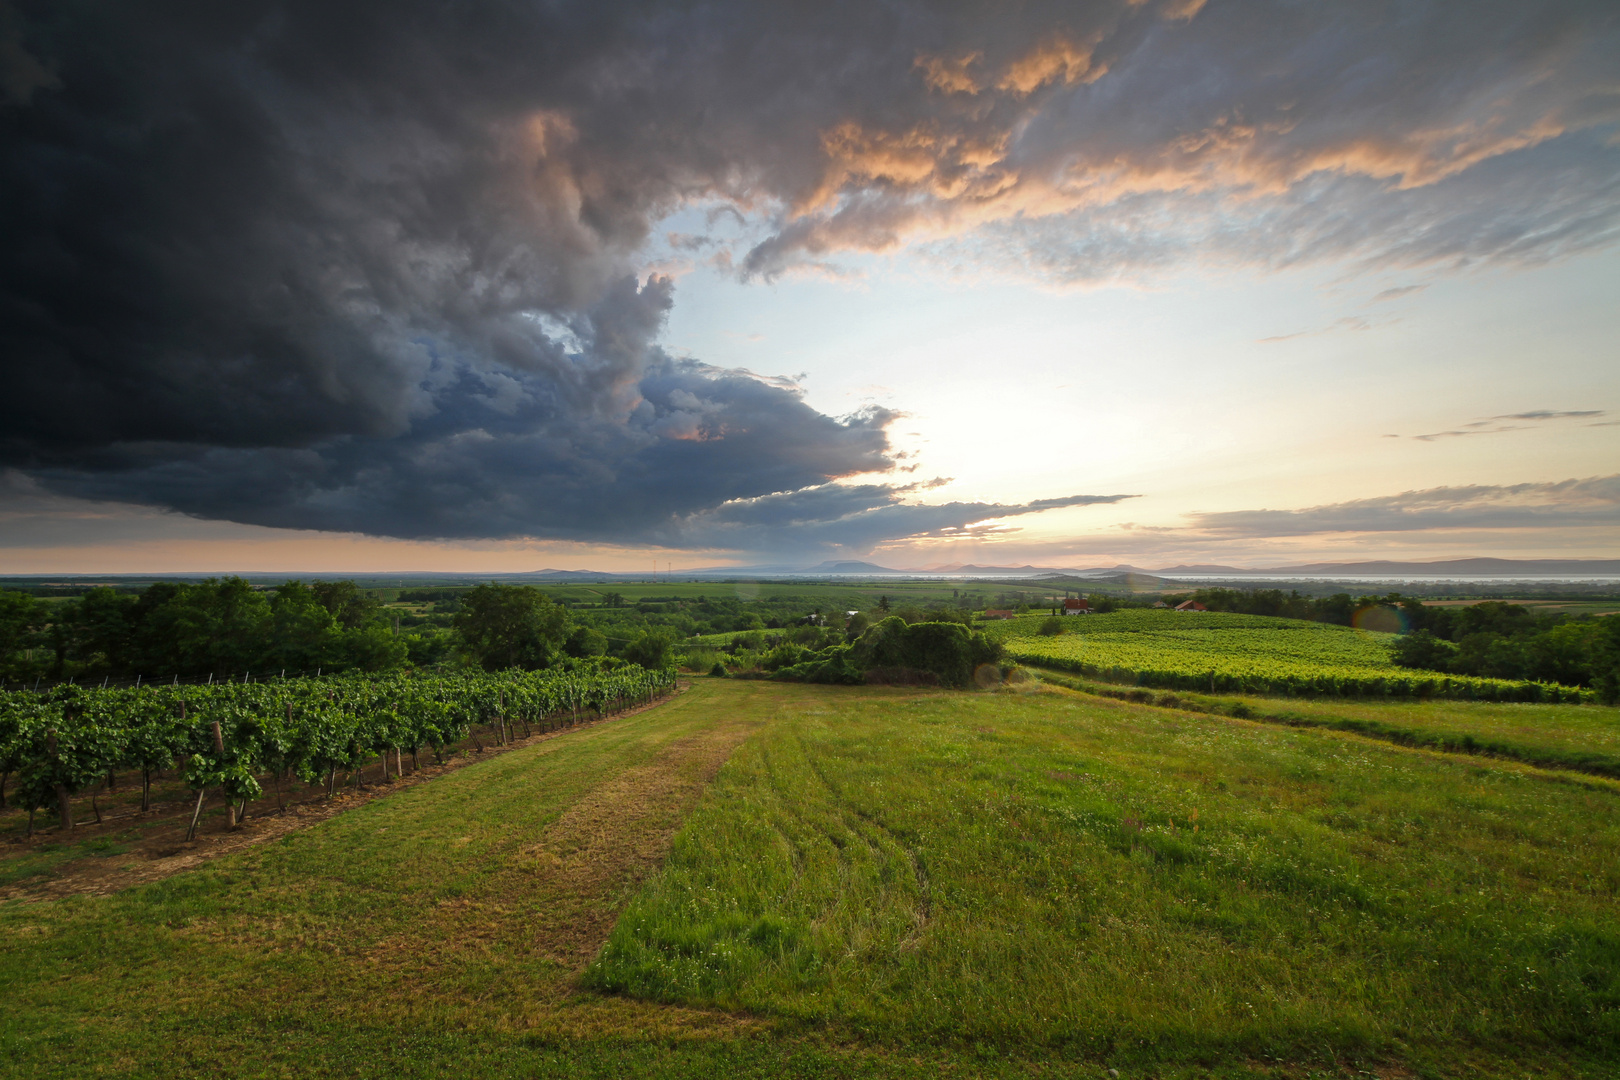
(136,846)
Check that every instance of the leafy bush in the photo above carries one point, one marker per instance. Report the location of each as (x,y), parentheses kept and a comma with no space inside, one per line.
(653,649)
(947,652)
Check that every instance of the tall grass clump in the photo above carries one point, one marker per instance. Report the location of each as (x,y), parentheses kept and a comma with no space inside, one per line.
(1043,871)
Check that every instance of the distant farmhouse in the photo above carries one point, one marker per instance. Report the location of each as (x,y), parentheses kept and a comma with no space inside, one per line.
(1076,606)
(1191,605)
(997,613)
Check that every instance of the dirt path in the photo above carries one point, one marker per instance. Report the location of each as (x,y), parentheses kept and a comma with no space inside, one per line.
(162,849)
(573,879)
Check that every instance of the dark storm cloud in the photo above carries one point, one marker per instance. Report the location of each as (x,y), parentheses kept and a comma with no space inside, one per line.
(511,463)
(1268,134)
(376,266)
(848,519)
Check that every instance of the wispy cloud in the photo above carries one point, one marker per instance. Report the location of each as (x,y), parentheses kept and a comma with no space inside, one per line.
(849,519)
(1549,414)
(1349,322)
(1397,292)
(1492,425)
(1565,504)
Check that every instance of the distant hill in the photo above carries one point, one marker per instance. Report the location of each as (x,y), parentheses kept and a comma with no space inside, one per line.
(850,567)
(971,568)
(569,575)
(1439,568)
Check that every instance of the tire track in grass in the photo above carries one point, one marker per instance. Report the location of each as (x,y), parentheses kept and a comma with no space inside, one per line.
(557,900)
(883,844)
(1440,741)
(1558,769)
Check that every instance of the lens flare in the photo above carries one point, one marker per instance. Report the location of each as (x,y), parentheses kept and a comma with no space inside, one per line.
(1386,620)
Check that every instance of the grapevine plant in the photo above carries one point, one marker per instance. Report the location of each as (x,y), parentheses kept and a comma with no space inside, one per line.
(228,738)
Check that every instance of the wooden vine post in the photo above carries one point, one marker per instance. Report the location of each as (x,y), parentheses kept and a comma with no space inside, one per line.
(64,808)
(219,750)
(196,812)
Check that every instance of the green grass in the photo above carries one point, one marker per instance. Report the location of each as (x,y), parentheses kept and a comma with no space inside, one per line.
(435,913)
(1552,730)
(880,882)
(830,595)
(1220,652)
(1111,880)
(1581,737)
(1554,607)
(1585,738)
(42,860)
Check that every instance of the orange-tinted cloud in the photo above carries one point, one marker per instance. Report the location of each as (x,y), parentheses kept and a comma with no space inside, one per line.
(952,75)
(1016,151)
(1061,60)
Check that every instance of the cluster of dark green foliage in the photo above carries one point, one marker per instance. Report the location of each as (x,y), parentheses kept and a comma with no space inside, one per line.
(227,626)
(621,620)
(450,595)
(518,626)
(223,625)
(1493,639)
(1509,641)
(226,736)
(1340,608)
(946,652)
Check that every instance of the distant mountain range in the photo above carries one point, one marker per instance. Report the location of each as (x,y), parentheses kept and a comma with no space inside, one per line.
(1439,568)
(1466,569)
(1479,567)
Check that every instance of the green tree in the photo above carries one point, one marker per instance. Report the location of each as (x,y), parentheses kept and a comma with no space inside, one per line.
(221,625)
(351,608)
(303,633)
(1424,650)
(19,613)
(507,626)
(586,641)
(104,629)
(653,649)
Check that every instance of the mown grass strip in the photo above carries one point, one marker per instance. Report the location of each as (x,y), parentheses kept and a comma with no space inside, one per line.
(1135,887)
(464,904)
(1217,652)
(1594,762)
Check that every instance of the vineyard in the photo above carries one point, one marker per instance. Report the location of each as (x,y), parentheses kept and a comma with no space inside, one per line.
(233,738)
(1218,652)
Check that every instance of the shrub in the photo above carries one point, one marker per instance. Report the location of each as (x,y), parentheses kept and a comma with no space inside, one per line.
(652,649)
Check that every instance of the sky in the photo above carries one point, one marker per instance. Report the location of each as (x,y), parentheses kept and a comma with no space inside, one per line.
(504,286)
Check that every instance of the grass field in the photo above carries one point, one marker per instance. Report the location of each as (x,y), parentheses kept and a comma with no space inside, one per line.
(877,881)
(1545,607)
(1216,651)
(830,595)
(1583,738)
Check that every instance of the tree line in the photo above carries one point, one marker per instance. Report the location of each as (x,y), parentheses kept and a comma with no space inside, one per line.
(1492,639)
(226,625)
(1509,641)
